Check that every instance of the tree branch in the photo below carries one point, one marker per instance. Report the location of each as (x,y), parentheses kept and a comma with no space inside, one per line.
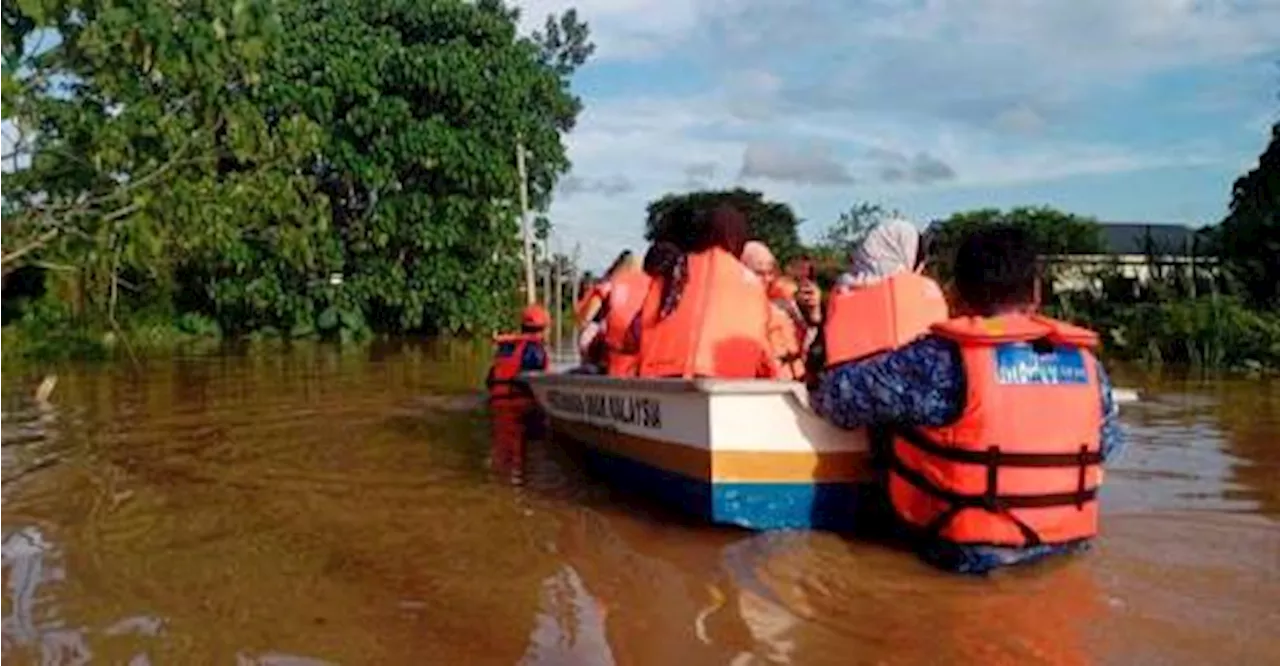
(39,242)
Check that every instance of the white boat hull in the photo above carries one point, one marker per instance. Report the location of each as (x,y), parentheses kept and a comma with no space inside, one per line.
(746,453)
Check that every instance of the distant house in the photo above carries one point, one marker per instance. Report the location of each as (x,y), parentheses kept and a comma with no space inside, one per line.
(1135,250)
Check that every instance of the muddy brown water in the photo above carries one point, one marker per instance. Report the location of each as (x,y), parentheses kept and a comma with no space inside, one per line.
(324,506)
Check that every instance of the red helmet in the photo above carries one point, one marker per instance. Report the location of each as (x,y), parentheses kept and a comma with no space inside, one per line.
(535,316)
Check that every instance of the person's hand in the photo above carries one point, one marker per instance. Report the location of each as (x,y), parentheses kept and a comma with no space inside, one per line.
(587,337)
(809,298)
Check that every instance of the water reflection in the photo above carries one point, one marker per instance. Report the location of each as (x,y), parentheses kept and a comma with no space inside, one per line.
(323,506)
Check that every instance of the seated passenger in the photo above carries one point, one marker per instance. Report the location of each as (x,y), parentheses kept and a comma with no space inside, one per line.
(584,310)
(521,352)
(888,303)
(994,426)
(630,287)
(787,326)
(787,329)
(707,315)
(590,310)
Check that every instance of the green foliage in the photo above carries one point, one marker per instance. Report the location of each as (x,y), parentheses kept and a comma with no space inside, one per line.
(1053,231)
(51,331)
(149,145)
(682,218)
(1249,237)
(1178,317)
(1210,332)
(422,104)
(304,168)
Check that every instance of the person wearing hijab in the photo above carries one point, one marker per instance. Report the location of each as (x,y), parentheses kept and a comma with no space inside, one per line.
(708,315)
(890,247)
(886,302)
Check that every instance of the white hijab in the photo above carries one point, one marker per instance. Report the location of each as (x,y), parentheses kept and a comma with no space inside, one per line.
(890,247)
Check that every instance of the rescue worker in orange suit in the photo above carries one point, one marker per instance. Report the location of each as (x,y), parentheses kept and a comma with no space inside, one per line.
(707,314)
(884,302)
(995,426)
(521,352)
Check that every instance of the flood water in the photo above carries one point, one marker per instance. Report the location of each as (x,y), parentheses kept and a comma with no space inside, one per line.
(323,506)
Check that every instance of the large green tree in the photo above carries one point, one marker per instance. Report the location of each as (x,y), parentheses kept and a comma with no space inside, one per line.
(1249,236)
(681,218)
(297,166)
(424,104)
(140,141)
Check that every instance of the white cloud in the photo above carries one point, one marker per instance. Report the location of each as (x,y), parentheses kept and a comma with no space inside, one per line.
(967,93)
(806,166)
(608,186)
(677,144)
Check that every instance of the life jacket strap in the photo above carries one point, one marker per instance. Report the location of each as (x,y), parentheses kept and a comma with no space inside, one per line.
(991,500)
(921,441)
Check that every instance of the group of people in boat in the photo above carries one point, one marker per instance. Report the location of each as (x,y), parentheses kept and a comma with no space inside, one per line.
(990,422)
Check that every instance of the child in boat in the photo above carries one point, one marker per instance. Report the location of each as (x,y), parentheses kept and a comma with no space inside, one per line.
(522,352)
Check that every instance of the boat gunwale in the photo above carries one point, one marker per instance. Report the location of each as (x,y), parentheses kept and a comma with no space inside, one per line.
(705,385)
(713,386)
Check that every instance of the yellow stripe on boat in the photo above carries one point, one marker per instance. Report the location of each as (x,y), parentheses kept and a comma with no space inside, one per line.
(751,466)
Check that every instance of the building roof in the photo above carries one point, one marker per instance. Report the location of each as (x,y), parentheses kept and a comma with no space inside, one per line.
(1143,238)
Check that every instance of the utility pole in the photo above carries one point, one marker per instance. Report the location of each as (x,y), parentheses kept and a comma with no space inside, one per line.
(530,286)
(546,286)
(574,281)
(558,308)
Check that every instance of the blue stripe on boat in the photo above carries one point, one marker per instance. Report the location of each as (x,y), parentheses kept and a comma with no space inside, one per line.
(757,506)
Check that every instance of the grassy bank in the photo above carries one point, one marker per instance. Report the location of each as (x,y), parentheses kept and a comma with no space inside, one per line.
(49,332)
(1206,333)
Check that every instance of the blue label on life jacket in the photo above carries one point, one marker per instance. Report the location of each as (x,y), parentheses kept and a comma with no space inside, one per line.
(1020,363)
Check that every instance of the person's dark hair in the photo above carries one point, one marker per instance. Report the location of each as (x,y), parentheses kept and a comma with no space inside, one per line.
(996,268)
(666,261)
(661,257)
(725,228)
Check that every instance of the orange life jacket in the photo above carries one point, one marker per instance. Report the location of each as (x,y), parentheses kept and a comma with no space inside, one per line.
(508,353)
(863,321)
(786,339)
(719,329)
(585,309)
(626,297)
(1022,464)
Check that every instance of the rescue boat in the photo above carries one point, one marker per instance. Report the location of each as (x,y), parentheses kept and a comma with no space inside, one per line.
(748,453)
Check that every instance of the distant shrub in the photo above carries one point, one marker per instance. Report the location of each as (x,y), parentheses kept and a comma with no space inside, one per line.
(1209,332)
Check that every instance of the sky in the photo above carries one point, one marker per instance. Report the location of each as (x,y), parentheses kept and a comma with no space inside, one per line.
(1127,110)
